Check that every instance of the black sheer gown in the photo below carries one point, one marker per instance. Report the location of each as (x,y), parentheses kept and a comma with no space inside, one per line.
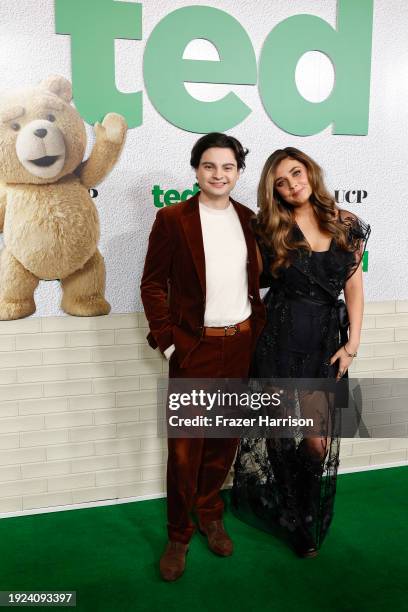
(279,485)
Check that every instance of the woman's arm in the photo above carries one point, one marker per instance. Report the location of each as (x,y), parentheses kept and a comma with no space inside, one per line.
(354,297)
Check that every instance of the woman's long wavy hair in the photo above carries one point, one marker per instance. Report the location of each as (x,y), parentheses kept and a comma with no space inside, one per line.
(275,220)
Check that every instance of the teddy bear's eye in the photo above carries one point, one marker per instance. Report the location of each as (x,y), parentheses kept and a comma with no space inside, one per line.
(51,118)
(15,126)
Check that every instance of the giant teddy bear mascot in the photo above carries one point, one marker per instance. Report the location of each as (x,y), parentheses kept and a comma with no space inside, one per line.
(50,223)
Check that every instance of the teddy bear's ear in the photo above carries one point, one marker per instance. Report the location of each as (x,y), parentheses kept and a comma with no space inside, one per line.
(59,86)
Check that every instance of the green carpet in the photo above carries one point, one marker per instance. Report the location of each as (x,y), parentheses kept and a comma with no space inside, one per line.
(109,555)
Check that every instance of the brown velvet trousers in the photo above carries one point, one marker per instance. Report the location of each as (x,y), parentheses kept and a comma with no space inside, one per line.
(198,467)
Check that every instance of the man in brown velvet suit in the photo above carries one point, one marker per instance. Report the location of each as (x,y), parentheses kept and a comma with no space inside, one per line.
(200,291)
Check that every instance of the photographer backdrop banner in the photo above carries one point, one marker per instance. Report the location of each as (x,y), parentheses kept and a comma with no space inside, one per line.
(321,76)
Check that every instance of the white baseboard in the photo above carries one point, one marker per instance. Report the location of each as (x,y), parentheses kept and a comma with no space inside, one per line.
(127,500)
(368,468)
(93,504)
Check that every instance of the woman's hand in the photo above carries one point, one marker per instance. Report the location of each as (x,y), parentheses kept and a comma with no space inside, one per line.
(344,360)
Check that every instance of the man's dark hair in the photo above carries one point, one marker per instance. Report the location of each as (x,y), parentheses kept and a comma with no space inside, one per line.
(217,139)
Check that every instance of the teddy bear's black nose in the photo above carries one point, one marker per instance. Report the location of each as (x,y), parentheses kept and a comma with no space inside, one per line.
(41,133)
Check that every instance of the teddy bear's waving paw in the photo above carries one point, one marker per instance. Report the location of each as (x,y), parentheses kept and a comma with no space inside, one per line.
(9,311)
(113,128)
(90,306)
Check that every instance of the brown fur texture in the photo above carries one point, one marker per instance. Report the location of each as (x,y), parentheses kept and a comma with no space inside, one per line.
(49,220)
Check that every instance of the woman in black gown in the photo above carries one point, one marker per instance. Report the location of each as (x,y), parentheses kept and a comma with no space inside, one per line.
(311,251)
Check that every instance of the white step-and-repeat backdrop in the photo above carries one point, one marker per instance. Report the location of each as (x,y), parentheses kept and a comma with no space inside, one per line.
(252,55)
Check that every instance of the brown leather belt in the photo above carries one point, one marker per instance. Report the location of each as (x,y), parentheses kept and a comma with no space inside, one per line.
(228,330)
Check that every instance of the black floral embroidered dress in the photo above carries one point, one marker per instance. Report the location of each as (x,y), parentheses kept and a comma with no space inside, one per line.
(277,485)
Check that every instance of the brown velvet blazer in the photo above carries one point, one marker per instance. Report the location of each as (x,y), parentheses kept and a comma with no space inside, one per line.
(173,280)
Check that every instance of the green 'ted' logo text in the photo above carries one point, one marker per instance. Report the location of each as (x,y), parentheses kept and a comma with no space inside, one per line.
(172,196)
(95,24)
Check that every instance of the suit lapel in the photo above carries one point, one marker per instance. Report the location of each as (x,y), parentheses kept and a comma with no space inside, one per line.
(250,242)
(191,223)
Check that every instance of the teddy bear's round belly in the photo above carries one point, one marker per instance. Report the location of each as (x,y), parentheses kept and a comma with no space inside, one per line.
(51,231)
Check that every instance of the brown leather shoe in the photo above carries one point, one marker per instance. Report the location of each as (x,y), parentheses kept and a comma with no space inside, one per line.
(218,539)
(173,560)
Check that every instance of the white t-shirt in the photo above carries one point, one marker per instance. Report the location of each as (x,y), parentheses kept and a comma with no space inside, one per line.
(226,274)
